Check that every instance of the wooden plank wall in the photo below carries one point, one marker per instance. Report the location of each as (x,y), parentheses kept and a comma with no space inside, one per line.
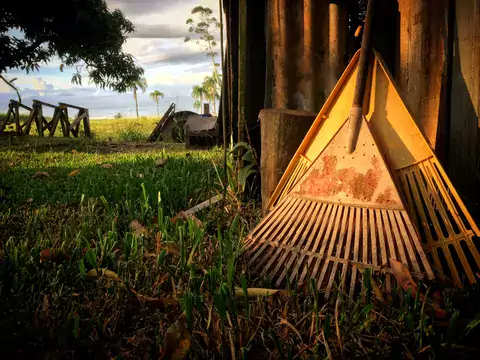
(438,71)
(465,98)
(422,63)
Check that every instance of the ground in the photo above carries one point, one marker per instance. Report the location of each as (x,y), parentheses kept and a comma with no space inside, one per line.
(96,260)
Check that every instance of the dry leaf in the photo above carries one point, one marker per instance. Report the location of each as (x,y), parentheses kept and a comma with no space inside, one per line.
(53,255)
(161,163)
(74,151)
(185,216)
(154,303)
(170,249)
(40,174)
(109,274)
(74,173)
(106,166)
(255,292)
(138,228)
(403,276)
(177,340)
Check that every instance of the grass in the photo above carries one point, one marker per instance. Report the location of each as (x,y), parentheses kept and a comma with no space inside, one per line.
(80,278)
(125,129)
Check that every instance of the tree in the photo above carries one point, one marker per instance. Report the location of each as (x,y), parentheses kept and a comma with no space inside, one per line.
(197,105)
(118,116)
(199,93)
(155,95)
(82,34)
(141,84)
(202,32)
(211,89)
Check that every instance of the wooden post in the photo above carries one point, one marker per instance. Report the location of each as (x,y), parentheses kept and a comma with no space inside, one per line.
(338,31)
(422,61)
(4,121)
(55,119)
(86,124)
(242,67)
(282,131)
(39,120)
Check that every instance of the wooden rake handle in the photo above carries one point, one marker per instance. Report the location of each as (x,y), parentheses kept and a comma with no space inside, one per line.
(355,118)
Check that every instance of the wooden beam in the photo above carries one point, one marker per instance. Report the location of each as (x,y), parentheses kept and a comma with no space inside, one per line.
(80,117)
(16,103)
(45,103)
(71,106)
(56,117)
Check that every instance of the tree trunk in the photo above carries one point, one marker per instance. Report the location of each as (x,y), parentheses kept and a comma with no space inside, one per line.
(136,100)
(282,131)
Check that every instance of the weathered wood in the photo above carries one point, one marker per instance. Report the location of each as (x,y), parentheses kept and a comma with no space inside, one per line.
(30,119)
(337,41)
(81,115)
(65,105)
(464,137)
(281,132)
(45,103)
(56,118)
(161,124)
(16,103)
(422,61)
(39,119)
(86,125)
(4,121)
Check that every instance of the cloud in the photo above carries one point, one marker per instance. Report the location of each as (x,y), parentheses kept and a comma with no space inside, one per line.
(159,31)
(42,86)
(137,7)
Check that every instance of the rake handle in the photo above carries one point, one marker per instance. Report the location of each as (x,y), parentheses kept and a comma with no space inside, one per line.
(355,117)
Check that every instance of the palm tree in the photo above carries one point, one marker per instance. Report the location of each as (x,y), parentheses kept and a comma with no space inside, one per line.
(197,105)
(155,95)
(141,84)
(211,88)
(198,93)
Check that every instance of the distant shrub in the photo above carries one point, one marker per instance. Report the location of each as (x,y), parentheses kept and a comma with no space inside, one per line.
(131,134)
(118,116)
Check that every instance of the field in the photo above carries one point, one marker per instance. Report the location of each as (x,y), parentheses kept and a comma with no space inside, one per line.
(96,261)
(124,129)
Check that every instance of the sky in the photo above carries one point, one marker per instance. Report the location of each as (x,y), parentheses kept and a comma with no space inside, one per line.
(171,65)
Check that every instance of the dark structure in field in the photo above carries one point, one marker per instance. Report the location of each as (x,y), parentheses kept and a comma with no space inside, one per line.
(171,126)
(202,131)
(36,118)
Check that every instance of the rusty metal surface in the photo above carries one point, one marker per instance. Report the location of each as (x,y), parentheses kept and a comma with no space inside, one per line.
(361,178)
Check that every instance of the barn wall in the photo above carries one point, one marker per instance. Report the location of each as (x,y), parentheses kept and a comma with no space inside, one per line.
(422,62)
(465,98)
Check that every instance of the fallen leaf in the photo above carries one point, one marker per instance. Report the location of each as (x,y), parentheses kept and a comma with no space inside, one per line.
(109,274)
(170,249)
(53,255)
(185,216)
(106,166)
(375,288)
(40,174)
(74,173)
(138,228)
(154,303)
(403,276)
(177,341)
(74,151)
(255,292)
(161,162)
